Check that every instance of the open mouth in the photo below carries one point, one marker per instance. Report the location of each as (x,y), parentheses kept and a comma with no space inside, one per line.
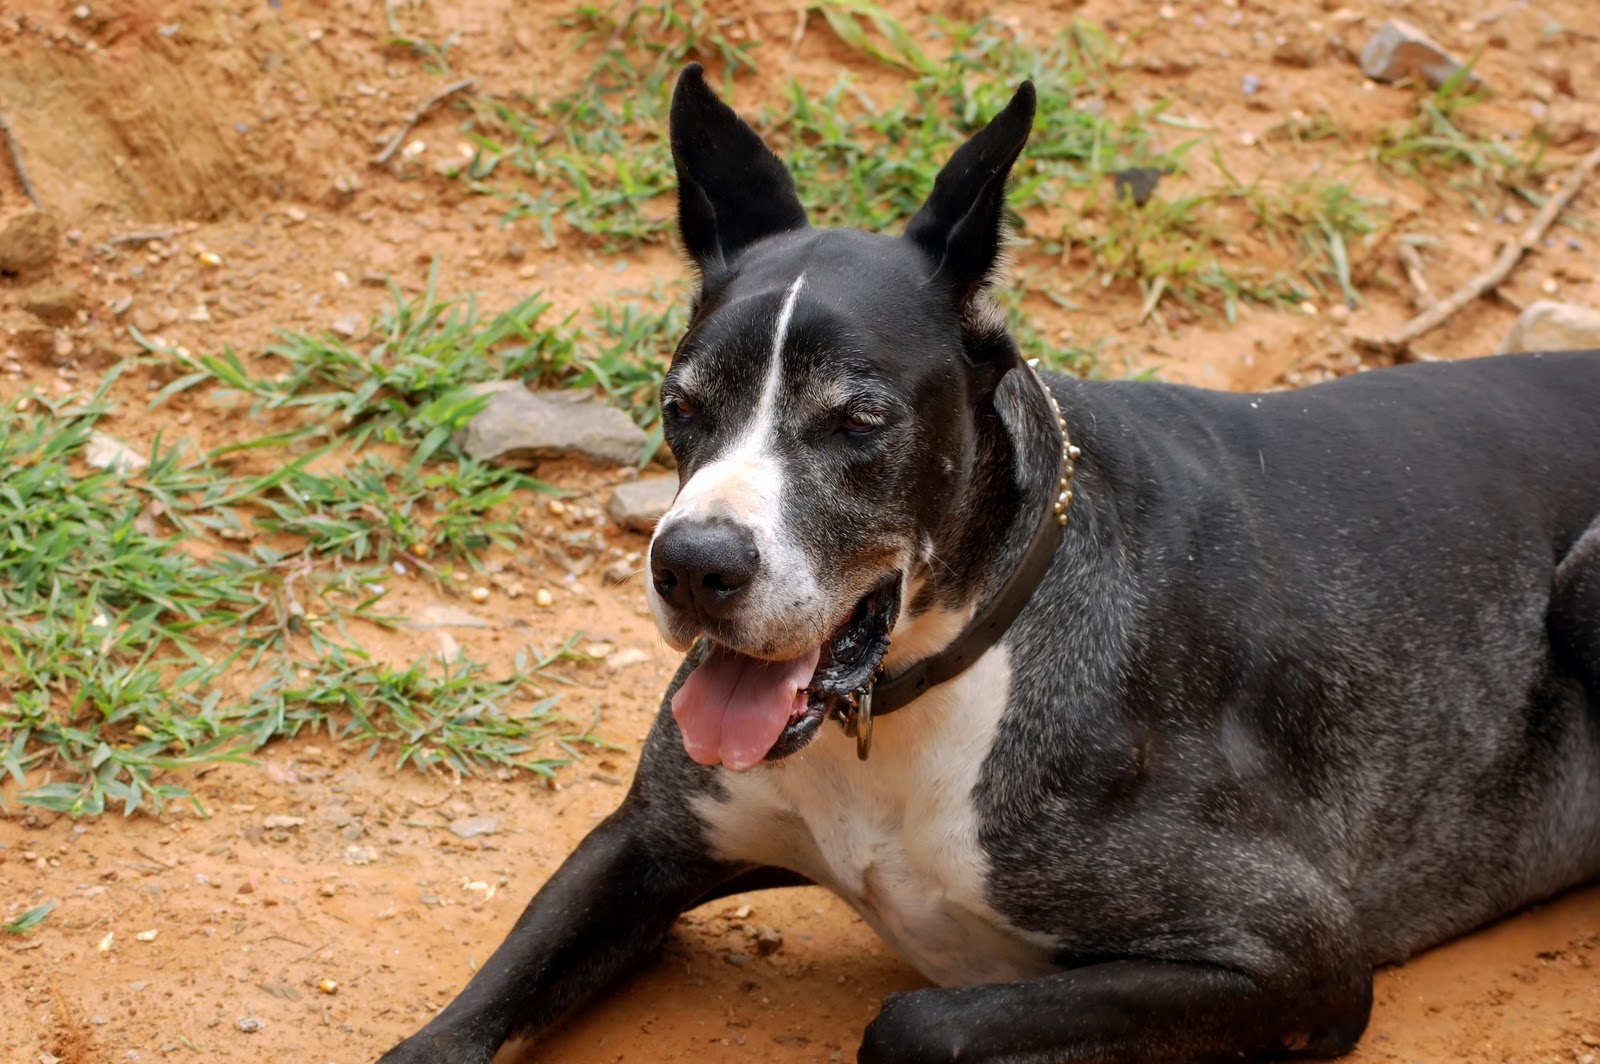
(736,710)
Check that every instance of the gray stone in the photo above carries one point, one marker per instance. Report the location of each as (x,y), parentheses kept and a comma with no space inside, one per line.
(519,424)
(470,827)
(1400,50)
(1551,326)
(443,615)
(108,452)
(639,504)
(28,242)
(53,304)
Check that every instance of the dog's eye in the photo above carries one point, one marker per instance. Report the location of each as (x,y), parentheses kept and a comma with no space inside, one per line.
(680,409)
(859,424)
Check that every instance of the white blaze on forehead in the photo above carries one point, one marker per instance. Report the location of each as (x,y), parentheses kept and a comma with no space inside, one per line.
(756,437)
(745,484)
(744,479)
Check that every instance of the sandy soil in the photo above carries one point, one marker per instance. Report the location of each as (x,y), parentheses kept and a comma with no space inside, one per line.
(246,129)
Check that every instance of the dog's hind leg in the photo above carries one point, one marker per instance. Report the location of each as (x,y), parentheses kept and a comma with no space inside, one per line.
(1122,1012)
(1262,961)
(1575,609)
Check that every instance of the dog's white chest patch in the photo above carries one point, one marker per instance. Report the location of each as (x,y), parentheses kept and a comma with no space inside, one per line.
(896,836)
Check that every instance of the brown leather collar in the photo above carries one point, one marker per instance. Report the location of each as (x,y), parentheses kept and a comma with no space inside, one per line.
(894,692)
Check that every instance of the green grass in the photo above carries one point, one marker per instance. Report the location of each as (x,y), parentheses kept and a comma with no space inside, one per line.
(594,160)
(1438,144)
(187,613)
(30,920)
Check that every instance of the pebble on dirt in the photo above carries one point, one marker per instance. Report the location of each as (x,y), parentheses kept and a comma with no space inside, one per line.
(28,242)
(108,452)
(470,827)
(53,304)
(639,504)
(518,424)
(1550,326)
(1401,50)
(443,615)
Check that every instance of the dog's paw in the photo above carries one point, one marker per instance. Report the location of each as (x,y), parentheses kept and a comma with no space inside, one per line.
(911,1029)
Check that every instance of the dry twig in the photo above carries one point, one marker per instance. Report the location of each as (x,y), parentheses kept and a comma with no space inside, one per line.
(1398,343)
(16,161)
(429,104)
(143,236)
(1412,263)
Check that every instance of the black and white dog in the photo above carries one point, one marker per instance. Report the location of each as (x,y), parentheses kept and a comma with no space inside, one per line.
(1191,727)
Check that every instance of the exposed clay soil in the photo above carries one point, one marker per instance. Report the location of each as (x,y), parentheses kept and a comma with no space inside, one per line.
(247,131)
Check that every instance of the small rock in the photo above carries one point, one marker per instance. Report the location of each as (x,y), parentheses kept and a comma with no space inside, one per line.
(342,190)
(738,960)
(108,452)
(1551,326)
(518,423)
(624,658)
(1137,183)
(28,242)
(543,598)
(470,827)
(639,504)
(53,304)
(1401,50)
(1301,52)
(1571,124)
(618,572)
(768,941)
(347,326)
(443,615)
(248,1024)
(281,820)
(1250,85)
(479,594)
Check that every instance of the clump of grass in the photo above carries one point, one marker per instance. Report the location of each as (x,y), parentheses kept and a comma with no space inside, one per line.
(1437,142)
(134,641)
(595,160)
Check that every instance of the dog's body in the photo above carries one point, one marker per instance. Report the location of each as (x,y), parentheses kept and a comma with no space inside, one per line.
(1312,682)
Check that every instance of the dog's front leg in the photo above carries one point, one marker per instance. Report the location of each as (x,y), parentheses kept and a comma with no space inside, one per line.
(1121,1012)
(608,907)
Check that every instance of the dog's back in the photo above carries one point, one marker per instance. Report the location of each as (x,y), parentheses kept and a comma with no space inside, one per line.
(1347,590)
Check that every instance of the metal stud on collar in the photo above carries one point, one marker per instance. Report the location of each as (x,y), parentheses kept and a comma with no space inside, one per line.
(1069,455)
(858,723)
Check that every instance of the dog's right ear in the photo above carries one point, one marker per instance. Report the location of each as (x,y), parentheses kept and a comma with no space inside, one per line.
(732,189)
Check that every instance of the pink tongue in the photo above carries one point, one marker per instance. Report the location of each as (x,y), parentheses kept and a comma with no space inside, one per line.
(732,708)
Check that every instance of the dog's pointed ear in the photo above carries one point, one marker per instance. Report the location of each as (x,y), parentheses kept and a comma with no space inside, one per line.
(732,189)
(960,226)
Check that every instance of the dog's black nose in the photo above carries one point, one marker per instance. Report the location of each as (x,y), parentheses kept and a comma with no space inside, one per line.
(706,563)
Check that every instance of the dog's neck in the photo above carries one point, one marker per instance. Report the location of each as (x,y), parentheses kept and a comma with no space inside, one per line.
(1035,528)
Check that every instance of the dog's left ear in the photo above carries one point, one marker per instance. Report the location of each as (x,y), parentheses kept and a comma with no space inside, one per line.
(959,227)
(732,189)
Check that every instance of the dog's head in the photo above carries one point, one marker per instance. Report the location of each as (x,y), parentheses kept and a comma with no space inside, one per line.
(824,408)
